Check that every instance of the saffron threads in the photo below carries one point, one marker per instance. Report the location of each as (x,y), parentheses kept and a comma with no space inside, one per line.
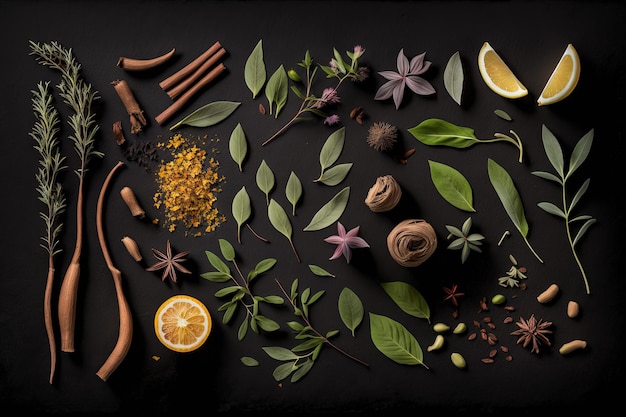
(188,186)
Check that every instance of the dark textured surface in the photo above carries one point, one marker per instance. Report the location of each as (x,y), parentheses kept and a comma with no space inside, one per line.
(530,36)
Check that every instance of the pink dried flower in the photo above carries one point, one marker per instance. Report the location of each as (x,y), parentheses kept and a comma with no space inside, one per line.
(329,96)
(331,120)
(346,242)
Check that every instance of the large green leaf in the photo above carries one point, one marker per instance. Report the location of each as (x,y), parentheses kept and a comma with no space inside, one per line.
(452,186)
(443,133)
(208,115)
(254,71)
(453,77)
(350,309)
(265,179)
(394,341)
(241,209)
(293,191)
(238,146)
(408,298)
(508,194)
(330,212)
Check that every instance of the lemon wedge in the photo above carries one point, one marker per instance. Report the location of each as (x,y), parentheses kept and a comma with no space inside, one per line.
(563,79)
(182,323)
(497,74)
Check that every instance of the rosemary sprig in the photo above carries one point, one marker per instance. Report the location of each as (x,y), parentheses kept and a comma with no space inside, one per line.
(80,97)
(50,193)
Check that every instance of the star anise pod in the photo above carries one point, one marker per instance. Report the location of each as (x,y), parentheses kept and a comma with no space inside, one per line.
(169,263)
(533,332)
(453,294)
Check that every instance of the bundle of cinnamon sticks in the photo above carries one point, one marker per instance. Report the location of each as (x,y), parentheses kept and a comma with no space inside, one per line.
(190,79)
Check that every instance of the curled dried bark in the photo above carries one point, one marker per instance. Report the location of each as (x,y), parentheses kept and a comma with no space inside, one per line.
(412,242)
(137,119)
(138,64)
(118,132)
(384,195)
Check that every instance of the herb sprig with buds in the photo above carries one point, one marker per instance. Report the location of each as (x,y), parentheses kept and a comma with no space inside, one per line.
(80,97)
(50,192)
(338,68)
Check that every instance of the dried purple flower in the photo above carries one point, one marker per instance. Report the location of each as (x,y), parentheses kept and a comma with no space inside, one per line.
(407,76)
(346,242)
(382,136)
(331,120)
(329,96)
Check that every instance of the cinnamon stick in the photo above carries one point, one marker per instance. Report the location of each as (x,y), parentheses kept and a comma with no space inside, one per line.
(182,100)
(182,86)
(137,119)
(184,72)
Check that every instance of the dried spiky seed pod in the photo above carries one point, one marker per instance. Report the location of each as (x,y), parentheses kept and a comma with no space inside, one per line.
(382,136)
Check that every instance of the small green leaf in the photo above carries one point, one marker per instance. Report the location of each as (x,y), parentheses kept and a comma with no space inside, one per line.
(254,71)
(249,361)
(453,77)
(279,219)
(277,90)
(261,267)
(208,115)
(580,152)
(350,309)
(332,148)
(319,271)
(452,186)
(408,298)
(335,175)
(553,150)
(216,276)
(217,263)
(280,353)
(241,209)
(503,115)
(228,252)
(265,179)
(293,191)
(394,341)
(438,132)
(330,212)
(552,209)
(238,146)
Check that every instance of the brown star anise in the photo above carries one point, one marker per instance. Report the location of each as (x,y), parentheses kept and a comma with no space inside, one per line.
(169,263)
(533,332)
(453,295)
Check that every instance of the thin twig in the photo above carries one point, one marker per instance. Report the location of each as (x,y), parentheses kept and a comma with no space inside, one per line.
(181,74)
(178,90)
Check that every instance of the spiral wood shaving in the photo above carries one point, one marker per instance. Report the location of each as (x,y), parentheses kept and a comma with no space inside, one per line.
(412,242)
(384,194)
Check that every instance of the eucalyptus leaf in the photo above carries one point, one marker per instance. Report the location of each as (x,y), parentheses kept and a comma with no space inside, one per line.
(350,309)
(330,212)
(452,185)
(293,191)
(208,115)
(394,341)
(408,298)
(280,353)
(319,271)
(553,150)
(238,145)
(580,152)
(332,148)
(249,361)
(254,71)
(438,132)
(335,175)
(510,199)
(241,209)
(277,90)
(265,179)
(453,77)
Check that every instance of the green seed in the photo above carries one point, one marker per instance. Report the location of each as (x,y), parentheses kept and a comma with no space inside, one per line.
(498,299)
(459,328)
(458,360)
(437,344)
(441,327)
(294,75)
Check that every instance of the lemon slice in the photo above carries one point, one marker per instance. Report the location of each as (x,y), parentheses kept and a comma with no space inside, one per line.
(497,74)
(182,323)
(563,79)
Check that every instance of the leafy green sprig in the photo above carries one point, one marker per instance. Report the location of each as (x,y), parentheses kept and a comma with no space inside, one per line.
(240,292)
(339,68)
(299,360)
(555,156)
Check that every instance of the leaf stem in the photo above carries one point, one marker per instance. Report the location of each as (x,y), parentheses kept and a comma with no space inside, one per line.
(517,142)
(566,211)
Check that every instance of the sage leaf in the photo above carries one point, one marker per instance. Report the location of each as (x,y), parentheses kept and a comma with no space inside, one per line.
(553,150)
(503,115)
(208,115)
(453,77)
(279,219)
(580,152)
(228,252)
(350,309)
(265,179)
(261,267)
(241,209)
(330,212)
(254,71)
(335,175)
(249,361)
(332,148)
(238,146)
(394,341)
(280,353)
(277,90)
(408,298)
(293,191)
(438,132)
(452,185)
(510,199)
(319,271)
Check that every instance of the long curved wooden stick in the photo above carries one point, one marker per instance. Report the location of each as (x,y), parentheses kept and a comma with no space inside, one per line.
(126,321)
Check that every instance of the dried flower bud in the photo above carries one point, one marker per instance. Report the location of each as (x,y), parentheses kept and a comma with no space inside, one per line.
(382,136)
(293,75)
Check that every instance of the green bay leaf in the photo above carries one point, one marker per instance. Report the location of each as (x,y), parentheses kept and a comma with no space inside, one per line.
(265,179)
(350,309)
(330,212)
(293,191)
(208,115)
(238,145)
(241,209)
(408,298)
(394,341)
(438,132)
(332,148)
(277,90)
(254,71)
(453,77)
(452,185)
(319,271)
(335,175)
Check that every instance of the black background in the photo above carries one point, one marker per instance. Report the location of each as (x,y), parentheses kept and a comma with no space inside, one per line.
(530,36)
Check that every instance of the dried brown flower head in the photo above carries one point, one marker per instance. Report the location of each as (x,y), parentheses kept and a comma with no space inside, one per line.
(533,332)
(169,263)
(382,136)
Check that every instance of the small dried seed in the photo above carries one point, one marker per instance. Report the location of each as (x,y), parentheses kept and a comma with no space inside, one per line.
(491,325)
(132,248)
(507,320)
(509,358)
(487,319)
(483,335)
(476,323)
(459,328)
(118,133)
(569,347)
(471,336)
(441,327)
(493,352)
(262,108)
(573,308)
(355,111)
(487,360)
(408,153)
(509,308)
(437,344)
(548,294)
(498,299)
(504,348)
(493,337)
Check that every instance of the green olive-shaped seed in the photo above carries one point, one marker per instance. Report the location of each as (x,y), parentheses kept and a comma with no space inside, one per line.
(460,328)
(441,327)
(498,299)
(437,344)
(293,75)
(458,360)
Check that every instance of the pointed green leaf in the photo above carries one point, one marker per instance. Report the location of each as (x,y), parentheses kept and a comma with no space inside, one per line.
(350,309)
(551,208)
(582,231)
(261,267)
(330,212)
(408,298)
(265,179)
(508,194)
(228,252)
(208,115)
(254,71)
(293,191)
(216,276)
(453,77)
(238,146)
(335,175)
(579,194)
(332,148)
(217,263)
(249,361)
(319,271)
(277,90)
(548,176)
(279,219)
(503,115)
(438,132)
(452,185)
(580,152)
(280,353)
(553,150)
(394,341)
(241,209)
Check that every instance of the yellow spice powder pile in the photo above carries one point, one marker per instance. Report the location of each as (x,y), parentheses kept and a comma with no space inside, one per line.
(188,186)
